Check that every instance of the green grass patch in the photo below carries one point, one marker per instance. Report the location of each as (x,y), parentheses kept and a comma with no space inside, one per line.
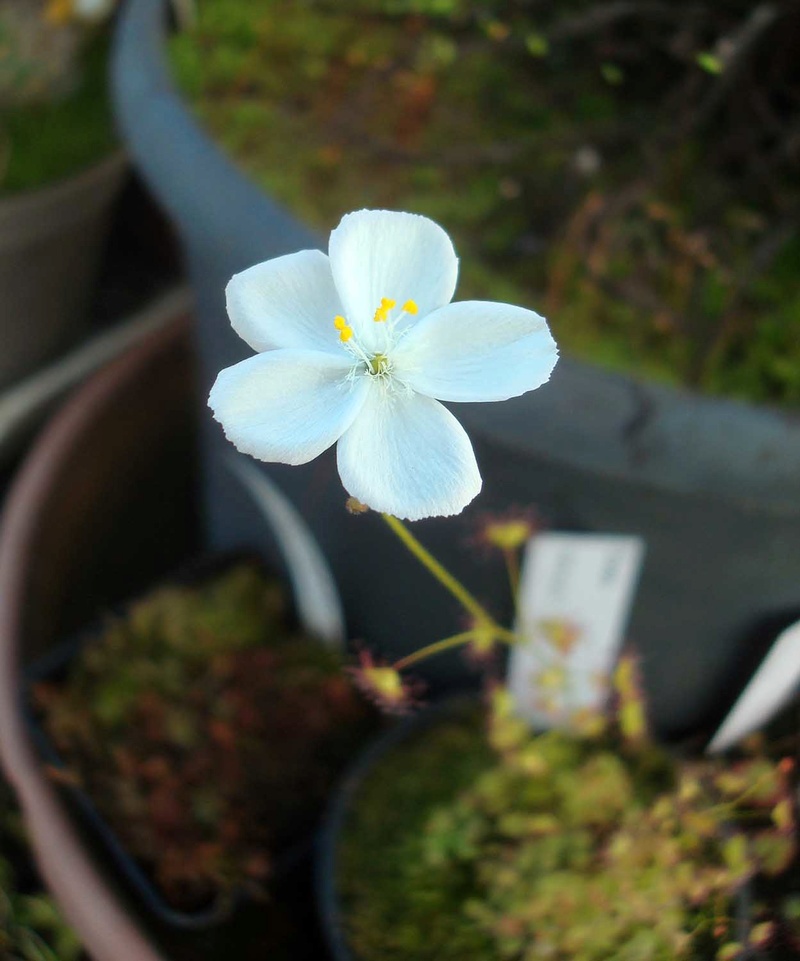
(49,142)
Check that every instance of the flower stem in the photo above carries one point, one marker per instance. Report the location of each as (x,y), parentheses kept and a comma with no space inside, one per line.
(447,644)
(512,566)
(436,648)
(506,636)
(441,574)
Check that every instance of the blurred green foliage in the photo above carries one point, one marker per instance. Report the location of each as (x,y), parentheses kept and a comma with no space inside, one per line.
(512,845)
(629,170)
(31,927)
(46,142)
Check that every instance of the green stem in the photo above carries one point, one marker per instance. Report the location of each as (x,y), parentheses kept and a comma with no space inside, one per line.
(436,648)
(447,643)
(506,636)
(442,575)
(512,566)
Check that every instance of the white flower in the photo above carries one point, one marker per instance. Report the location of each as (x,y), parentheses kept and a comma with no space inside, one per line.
(359,347)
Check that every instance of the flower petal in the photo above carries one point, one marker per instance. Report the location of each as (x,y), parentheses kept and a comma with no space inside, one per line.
(476,351)
(286,405)
(286,302)
(384,253)
(407,455)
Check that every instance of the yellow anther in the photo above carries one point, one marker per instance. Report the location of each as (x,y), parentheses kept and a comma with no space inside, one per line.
(387,304)
(339,322)
(381,314)
(345,334)
(410,307)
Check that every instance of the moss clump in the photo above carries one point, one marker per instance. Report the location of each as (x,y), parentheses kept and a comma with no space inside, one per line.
(396,906)
(47,142)
(207,731)
(566,159)
(521,846)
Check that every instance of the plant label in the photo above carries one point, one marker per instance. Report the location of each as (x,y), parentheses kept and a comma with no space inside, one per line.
(575,597)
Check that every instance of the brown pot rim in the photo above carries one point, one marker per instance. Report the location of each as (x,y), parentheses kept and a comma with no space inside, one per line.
(51,191)
(108,932)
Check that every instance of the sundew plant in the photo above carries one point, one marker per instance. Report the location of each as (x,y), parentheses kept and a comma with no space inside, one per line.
(359,348)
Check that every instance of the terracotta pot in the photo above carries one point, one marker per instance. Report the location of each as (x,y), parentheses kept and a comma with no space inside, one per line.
(51,240)
(103,505)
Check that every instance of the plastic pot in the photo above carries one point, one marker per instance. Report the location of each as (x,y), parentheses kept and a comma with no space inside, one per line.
(102,506)
(713,486)
(51,240)
(291,853)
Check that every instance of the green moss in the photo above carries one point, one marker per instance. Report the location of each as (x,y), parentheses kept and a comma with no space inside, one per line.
(49,142)
(553,846)
(384,919)
(207,732)
(31,926)
(411,104)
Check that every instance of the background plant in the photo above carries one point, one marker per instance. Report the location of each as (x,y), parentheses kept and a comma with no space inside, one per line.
(54,112)
(605,847)
(31,927)
(206,731)
(629,168)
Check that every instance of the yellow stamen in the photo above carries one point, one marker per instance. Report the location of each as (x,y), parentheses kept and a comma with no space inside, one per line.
(381,314)
(387,304)
(339,322)
(345,334)
(410,307)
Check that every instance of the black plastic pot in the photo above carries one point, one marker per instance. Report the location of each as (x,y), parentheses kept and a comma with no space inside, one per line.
(713,486)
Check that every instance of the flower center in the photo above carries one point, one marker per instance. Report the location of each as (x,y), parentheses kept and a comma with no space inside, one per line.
(379,365)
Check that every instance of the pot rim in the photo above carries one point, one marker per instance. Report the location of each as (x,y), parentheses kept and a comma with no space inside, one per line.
(88,902)
(652,435)
(52,191)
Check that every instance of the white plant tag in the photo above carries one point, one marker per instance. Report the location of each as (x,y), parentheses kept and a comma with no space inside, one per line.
(576,593)
(770,688)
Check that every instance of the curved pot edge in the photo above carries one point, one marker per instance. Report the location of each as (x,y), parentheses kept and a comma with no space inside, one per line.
(150,111)
(51,191)
(667,438)
(81,891)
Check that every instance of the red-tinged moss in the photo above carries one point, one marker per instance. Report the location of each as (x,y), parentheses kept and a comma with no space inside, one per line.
(207,731)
